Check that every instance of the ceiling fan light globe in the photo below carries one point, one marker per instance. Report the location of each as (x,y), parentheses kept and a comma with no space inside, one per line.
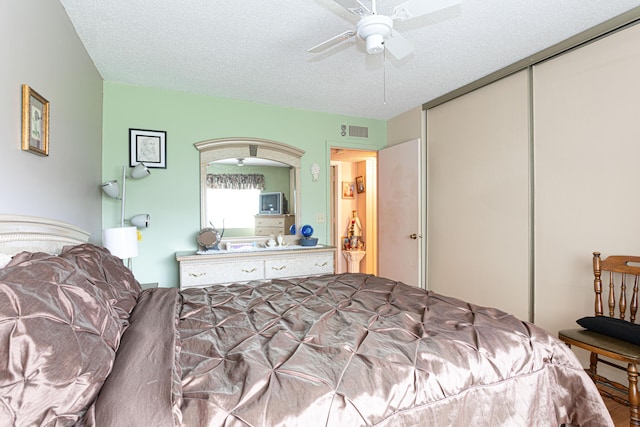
(375,44)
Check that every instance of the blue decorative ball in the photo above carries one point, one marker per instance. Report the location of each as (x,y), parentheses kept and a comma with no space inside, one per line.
(292,230)
(306,230)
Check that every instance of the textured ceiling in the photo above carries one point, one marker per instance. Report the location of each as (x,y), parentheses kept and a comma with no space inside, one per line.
(257,50)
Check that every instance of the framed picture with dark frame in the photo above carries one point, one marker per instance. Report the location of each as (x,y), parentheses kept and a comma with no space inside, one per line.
(148,147)
(35,122)
(360,184)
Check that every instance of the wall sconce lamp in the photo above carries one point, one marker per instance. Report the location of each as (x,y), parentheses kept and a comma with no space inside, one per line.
(112,189)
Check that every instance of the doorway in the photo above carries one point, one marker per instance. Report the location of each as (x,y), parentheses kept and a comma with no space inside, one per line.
(354,188)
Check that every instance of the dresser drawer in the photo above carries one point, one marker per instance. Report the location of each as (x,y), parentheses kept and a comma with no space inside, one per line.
(306,265)
(198,274)
(263,221)
(268,231)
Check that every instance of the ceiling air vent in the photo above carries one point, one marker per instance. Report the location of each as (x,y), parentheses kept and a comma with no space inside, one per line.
(359,131)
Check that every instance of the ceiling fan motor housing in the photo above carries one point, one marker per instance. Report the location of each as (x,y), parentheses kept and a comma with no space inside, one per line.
(373,29)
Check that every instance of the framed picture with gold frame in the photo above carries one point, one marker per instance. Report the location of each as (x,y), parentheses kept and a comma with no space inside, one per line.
(348,190)
(35,122)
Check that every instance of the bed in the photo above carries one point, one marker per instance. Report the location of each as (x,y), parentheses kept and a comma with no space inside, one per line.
(83,345)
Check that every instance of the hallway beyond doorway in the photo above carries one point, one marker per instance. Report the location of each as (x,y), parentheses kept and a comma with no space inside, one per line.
(354,188)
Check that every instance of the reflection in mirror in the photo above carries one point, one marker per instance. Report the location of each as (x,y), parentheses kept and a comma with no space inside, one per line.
(233,192)
(267,167)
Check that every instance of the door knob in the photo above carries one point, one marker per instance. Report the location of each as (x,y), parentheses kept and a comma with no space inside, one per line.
(413,236)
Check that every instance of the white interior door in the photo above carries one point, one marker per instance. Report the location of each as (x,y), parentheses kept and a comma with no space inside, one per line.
(399,213)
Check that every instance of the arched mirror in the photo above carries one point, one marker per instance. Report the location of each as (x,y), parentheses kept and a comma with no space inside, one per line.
(251,187)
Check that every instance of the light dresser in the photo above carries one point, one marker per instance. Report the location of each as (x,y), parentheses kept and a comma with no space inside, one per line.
(225,267)
(267,225)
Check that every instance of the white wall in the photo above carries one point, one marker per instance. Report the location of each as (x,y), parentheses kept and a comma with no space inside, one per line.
(405,127)
(39,47)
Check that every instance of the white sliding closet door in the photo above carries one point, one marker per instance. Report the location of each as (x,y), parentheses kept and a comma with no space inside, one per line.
(587,151)
(478,196)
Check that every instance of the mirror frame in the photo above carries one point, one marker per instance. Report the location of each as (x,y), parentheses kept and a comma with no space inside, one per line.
(228,148)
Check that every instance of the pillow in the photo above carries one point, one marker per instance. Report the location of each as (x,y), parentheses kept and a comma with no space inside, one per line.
(27,256)
(59,335)
(108,273)
(616,328)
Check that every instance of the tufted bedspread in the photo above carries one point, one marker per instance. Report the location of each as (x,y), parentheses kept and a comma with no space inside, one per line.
(358,350)
(335,350)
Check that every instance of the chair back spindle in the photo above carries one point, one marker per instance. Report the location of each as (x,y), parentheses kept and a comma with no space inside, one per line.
(634,301)
(612,296)
(597,283)
(623,297)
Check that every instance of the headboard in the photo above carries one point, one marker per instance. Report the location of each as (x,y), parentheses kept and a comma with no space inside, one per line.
(29,233)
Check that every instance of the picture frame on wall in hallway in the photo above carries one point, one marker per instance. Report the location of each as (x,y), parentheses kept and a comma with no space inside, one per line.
(348,190)
(35,122)
(148,147)
(360,184)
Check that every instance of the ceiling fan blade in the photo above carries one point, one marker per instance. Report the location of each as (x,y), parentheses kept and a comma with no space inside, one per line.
(398,46)
(354,6)
(414,8)
(332,41)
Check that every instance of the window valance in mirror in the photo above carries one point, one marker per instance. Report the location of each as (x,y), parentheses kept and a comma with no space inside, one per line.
(228,181)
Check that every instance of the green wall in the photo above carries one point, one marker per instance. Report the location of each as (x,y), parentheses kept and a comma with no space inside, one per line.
(172,195)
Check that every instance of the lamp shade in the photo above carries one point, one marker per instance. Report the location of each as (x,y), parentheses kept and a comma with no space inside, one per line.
(139,171)
(111,189)
(141,220)
(121,241)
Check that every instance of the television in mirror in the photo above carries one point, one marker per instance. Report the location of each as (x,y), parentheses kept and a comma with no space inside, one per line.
(273,203)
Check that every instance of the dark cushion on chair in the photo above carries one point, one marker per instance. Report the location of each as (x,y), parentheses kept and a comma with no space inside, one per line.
(616,328)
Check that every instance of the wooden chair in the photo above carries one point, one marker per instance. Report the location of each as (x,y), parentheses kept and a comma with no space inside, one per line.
(622,272)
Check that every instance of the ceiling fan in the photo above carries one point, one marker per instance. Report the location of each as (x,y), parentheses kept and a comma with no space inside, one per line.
(377,30)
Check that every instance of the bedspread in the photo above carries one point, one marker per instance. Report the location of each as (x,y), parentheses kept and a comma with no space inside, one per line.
(359,350)
(83,346)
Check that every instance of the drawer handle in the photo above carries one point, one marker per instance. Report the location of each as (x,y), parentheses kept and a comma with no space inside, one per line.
(279,268)
(321,265)
(249,271)
(197,274)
